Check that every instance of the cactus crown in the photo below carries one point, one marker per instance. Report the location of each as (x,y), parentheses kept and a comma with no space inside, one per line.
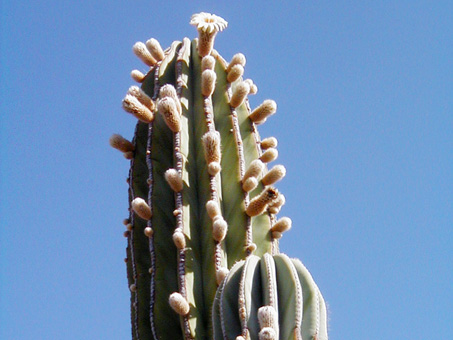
(201,196)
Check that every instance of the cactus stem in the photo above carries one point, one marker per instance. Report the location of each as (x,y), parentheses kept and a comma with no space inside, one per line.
(149,226)
(240,151)
(130,250)
(178,235)
(142,52)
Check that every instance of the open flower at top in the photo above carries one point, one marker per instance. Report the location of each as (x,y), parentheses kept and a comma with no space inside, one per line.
(208,23)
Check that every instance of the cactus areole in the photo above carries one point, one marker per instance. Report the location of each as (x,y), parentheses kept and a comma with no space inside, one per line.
(203,260)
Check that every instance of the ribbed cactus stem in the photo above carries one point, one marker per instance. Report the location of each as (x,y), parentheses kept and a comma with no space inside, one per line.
(201,200)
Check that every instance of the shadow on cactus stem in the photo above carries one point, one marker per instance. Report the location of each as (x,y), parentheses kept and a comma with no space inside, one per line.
(203,260)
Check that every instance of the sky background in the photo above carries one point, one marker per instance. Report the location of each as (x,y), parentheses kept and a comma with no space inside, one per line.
(364,123)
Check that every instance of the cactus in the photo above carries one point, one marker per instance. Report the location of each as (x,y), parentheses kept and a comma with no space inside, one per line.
(202,199)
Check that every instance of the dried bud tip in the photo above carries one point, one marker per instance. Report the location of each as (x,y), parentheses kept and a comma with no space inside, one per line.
(126,221)
(129,226)
(128,155)
(174,180)
(235,72)
(137,76)
(207,63)
(149,232)
(142,52)
(250,248)
(208,79)
(282,225)
(179,240)
(141,208)
(277,235)
(274,175)
(120,143)
(155,49)
(270,142)
(262,112)
(213,209)
(179,304)
(219,229)
(133,288)
(269,155)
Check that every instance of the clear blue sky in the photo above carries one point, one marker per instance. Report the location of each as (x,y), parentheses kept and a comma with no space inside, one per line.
(365,121)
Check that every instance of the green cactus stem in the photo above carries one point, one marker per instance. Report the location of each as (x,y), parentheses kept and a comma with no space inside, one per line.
(277,287)
(201,196)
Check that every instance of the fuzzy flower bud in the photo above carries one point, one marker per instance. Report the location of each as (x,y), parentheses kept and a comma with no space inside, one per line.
(239,94)
(262,112)
(141,208)
(142,52)
(179,304)
(274,175)
(208,79)
(132,105)
(155,49)
(174,180)
(167,108)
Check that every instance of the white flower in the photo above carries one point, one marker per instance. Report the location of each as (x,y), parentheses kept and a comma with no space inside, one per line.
(208,23)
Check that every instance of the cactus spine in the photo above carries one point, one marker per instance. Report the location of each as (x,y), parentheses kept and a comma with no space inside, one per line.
(202,199)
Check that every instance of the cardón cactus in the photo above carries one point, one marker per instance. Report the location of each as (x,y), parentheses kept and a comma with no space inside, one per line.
(203,201)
